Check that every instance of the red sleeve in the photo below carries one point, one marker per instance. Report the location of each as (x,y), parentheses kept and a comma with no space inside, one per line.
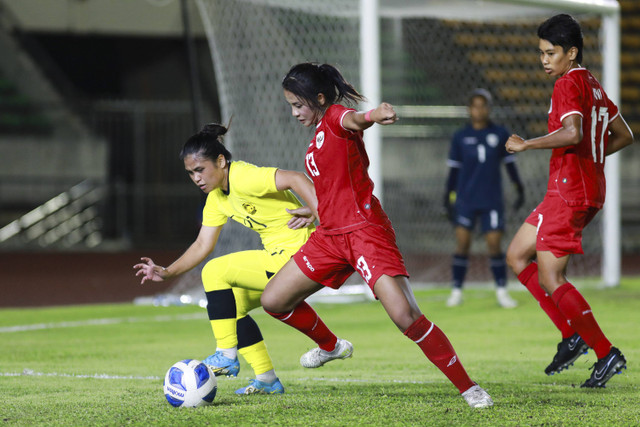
(333,119)
(567,99)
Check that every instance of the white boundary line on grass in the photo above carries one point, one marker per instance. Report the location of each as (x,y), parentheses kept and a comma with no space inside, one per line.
(99,322)
(30,373)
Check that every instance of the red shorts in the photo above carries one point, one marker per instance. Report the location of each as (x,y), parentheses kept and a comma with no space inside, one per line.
(559,226)
(331,259)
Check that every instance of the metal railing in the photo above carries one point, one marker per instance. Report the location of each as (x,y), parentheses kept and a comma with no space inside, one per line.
(68,219)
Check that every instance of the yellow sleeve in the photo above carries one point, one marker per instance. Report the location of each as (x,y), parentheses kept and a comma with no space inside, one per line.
(254,180)
(212,216)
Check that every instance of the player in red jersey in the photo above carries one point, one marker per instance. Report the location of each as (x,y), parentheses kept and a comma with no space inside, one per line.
(584,127)
(354,234)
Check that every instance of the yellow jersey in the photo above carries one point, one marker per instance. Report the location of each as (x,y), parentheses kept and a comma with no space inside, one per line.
(254,201)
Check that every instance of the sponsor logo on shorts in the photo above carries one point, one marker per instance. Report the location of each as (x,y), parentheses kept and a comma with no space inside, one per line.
(309,266)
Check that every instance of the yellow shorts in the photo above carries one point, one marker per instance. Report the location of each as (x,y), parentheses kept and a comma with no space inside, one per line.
(246,273)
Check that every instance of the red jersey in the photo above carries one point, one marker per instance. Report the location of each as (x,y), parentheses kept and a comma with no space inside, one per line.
(577,172)
(337,162)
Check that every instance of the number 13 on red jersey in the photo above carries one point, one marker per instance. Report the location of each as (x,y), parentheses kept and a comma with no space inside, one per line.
(311,165)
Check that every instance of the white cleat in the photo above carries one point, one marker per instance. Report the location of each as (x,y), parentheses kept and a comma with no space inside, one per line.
(317,357)
(476,397)
(455,299)
(504,299)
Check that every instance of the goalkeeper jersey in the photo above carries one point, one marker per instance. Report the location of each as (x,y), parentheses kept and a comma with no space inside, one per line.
(478,154)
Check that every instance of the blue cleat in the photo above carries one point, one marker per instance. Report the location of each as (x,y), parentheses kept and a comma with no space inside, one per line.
(221,365)
(258,387)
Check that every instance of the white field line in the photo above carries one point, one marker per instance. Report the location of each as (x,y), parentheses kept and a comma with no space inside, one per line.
(100,322)
(28,372)
(31,373)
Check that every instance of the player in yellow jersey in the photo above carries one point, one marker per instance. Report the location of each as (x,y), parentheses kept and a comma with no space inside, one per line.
(260,199)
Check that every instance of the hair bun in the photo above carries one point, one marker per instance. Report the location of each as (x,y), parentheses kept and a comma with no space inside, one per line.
(213,129)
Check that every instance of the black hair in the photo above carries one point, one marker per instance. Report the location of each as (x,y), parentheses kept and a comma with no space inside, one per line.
(563,30)
(480,93)
(308,79)
(207,143)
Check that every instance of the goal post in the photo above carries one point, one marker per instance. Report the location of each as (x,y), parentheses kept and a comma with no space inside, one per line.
(423,57)
(610,12)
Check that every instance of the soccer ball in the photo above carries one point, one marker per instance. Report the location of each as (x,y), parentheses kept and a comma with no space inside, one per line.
(190,383)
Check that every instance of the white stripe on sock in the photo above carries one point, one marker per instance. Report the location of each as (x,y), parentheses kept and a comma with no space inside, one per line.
(287,318)
(425,335)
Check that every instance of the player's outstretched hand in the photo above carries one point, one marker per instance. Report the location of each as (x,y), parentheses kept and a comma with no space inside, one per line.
(515,144)
(149,270)
(384,114)
(300,218)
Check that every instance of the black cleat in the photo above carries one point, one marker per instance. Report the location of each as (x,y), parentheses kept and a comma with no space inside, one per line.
(569,349)
(605,368)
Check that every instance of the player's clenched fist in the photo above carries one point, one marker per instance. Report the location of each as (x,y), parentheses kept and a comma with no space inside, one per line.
(515,144)
(384,114)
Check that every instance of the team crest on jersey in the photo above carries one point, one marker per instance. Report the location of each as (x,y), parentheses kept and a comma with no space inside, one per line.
(250,208)
(319,139)
(492,140)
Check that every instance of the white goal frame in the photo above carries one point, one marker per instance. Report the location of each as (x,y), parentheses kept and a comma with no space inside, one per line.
(371,11)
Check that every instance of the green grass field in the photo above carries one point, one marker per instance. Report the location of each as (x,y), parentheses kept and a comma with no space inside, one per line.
(104,364)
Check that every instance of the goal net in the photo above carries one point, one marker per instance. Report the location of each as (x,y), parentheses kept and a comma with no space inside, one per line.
(432,55)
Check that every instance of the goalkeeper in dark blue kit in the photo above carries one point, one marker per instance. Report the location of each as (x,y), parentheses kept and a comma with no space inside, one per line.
(474,192)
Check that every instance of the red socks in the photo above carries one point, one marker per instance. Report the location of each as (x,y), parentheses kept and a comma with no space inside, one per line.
(568,310)
(436,346)
(529,278)
(575,308)
(306,320)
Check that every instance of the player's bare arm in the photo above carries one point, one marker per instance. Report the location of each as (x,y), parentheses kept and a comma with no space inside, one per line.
(300,184)
(620,135)
(569,134)
(384,114)
(197,252)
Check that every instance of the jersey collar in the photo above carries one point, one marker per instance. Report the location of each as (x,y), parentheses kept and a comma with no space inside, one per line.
(226,193)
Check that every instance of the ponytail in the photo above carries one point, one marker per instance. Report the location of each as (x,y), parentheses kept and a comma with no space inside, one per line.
(307,80)
(207,143)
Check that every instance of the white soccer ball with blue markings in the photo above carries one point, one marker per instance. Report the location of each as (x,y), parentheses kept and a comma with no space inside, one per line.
(189,384)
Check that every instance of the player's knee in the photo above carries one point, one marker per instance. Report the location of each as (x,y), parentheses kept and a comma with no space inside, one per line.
(515,262)
(269,302)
